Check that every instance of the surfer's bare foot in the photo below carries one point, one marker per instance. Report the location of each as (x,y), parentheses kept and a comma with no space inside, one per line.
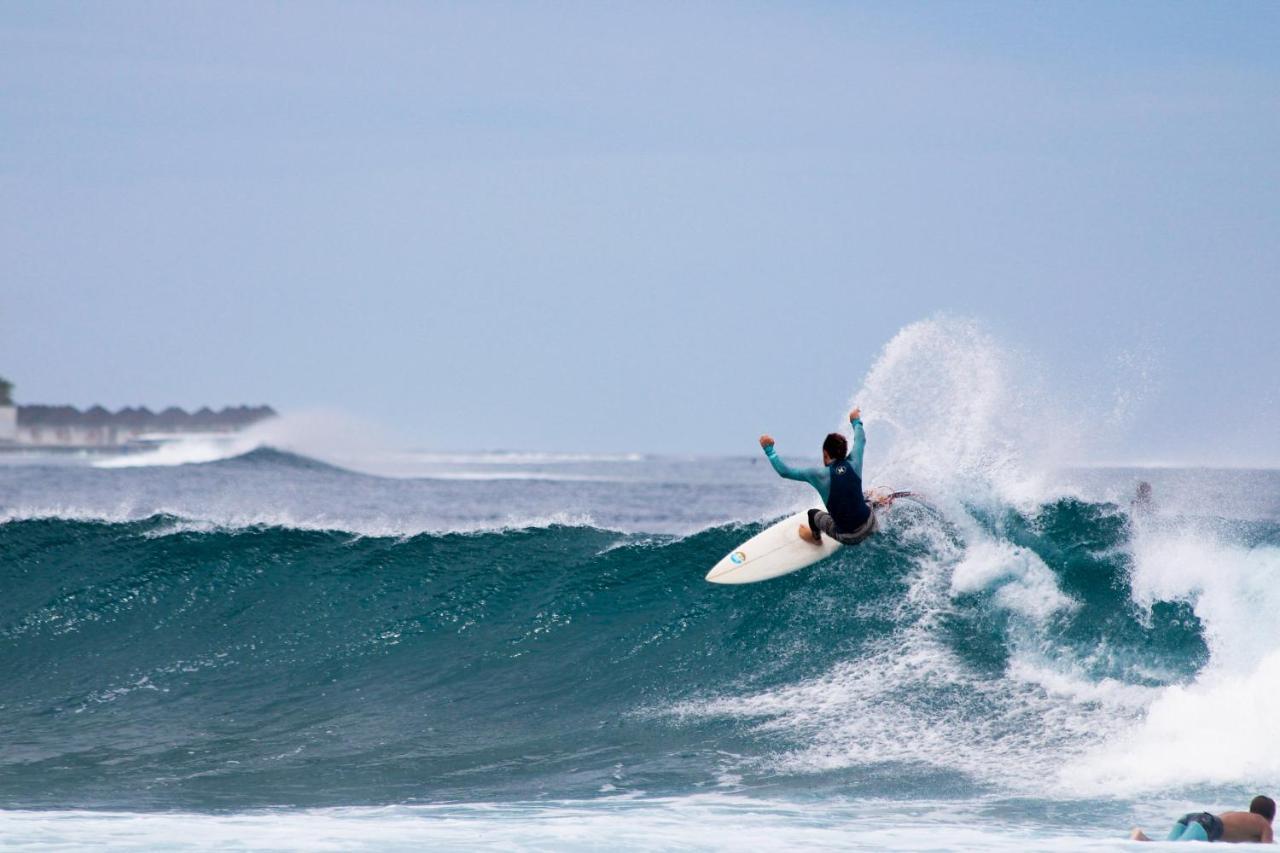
(1138,835)
(807,535)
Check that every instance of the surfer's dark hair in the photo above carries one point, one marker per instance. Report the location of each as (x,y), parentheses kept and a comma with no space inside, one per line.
(837,448)
(1264,806)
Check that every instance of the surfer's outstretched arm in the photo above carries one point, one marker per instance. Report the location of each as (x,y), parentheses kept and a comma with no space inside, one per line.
(859,442)
(819,478)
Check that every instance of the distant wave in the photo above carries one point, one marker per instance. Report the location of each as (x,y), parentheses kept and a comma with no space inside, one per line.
(266,455)
(184,451)
(325,437)
(202,453)
(151,523)
(330,440)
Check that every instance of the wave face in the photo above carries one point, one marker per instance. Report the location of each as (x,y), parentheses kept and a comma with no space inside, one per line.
(151,665)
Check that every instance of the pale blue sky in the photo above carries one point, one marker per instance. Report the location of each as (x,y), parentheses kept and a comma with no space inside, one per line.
(659,227)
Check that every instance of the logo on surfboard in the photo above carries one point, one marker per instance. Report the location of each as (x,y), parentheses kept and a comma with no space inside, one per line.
(738,558)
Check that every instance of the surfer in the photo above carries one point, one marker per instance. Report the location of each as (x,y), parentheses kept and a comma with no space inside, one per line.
(1253,825)
(849,518)
(1143,502)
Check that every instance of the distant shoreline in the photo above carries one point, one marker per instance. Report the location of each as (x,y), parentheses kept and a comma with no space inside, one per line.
(63,427)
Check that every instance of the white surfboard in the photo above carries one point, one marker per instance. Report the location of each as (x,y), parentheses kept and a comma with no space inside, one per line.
(771,553)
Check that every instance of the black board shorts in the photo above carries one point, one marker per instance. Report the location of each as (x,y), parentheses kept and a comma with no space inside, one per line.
(820,521)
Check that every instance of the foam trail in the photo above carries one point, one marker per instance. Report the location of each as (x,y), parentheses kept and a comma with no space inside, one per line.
(1022,581)
(704,822)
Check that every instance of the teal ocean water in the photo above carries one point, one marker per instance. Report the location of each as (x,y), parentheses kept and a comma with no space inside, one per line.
(243,644)
(1063,670)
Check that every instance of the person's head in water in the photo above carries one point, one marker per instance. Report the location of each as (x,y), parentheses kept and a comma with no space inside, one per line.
(834,449)
(1264,807)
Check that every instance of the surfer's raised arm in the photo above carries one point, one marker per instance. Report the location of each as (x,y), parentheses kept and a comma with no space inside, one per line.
(815,477)
(859,441)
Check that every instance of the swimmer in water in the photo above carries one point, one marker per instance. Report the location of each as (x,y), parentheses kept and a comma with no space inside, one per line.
(1251,826)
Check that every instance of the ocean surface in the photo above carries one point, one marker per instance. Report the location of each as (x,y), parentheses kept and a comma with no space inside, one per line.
(250,643)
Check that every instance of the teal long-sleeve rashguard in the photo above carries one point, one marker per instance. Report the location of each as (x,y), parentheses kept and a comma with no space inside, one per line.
(820,478)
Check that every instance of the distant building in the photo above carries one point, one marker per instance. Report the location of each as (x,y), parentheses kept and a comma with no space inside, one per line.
(8,413)
(67,426)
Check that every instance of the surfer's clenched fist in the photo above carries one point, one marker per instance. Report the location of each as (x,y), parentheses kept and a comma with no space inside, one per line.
(766,441)
(855,414)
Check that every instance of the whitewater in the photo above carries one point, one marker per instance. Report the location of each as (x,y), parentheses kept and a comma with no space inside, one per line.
(296,638)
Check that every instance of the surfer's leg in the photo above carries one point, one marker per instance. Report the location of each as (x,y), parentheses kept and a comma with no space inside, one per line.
(811,532)
(1187,829)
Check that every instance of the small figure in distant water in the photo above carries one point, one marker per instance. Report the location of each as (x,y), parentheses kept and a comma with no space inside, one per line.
(1143,504)
(1253,825)
(849,518)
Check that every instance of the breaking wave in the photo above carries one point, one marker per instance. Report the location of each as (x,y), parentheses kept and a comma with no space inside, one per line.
(164,664)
